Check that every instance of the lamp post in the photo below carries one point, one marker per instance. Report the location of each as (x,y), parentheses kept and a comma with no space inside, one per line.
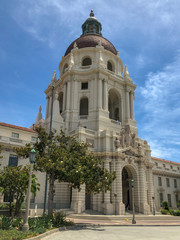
(50,129)
(32,156)
(115,195)
(153,206)
(132,187)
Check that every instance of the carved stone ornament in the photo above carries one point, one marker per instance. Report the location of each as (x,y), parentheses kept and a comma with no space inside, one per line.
(127,143)
(75,45)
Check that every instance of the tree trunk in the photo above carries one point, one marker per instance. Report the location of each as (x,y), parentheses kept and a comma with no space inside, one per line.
(51,194)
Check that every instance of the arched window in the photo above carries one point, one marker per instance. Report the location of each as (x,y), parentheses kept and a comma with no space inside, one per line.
(86,61)
(83,110)
(114,105)
(60,102)
(65,68)
(110,66)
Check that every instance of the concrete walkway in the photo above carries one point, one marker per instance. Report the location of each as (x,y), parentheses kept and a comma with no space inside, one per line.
(118,233)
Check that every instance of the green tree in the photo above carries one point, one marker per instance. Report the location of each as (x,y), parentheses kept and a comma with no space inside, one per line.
(14,183)
(66,159)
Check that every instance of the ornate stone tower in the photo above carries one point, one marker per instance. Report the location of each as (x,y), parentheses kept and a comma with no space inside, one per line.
(94,99)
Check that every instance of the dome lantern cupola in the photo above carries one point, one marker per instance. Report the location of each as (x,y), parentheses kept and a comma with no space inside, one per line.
(91,25)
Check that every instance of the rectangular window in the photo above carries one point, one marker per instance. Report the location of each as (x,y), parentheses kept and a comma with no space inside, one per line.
(13,161)
(167,182)
(164,165)
(15,135)
(84,85)
(169,200)
(156,164)
(7,198)
(177,199)
(33,139)
(160,198)
(171,167)
(159,181)
(175,183)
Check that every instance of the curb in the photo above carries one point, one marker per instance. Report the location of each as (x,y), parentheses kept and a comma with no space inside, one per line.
(41,236)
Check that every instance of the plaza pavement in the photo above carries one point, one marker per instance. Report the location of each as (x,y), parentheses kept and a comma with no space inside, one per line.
(118,233)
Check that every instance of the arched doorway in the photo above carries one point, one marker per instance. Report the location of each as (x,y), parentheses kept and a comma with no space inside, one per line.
(114,105)
(129,173)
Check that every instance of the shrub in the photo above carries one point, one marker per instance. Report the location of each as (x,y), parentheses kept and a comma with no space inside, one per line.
(164,211)
(40,223)
(171,211)
(165,205)
(178,204)
(6,223)
(17,223)
(4,206)
(177,213)
(59,218)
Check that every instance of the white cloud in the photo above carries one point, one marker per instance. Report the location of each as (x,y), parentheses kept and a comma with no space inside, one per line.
(161,101)
(46,19)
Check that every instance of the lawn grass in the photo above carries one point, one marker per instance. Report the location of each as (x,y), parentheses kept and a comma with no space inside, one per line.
(15,234)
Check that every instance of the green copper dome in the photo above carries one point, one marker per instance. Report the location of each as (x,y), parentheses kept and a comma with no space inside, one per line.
(91,26)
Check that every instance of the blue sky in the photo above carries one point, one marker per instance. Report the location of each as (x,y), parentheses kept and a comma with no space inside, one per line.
(35,34)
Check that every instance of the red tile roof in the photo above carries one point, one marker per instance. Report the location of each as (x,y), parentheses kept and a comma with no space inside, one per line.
(163,160)
(17,127)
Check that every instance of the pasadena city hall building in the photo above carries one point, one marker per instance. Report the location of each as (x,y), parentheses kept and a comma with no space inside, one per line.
(94,100)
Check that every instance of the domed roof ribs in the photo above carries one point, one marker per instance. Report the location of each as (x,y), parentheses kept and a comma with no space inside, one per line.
(91,36)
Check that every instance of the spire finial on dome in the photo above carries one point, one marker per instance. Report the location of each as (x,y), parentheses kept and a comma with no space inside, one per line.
(91,13)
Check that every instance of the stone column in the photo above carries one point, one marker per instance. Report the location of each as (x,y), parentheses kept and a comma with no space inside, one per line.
(99,93)
(144,207)
(78,200)
(107,194)
(105,95)
(132,105)
(127,105)
(95,93)
(68,96)
(64,97)
(120,205)
(75,93)
(150,187)
(47,107)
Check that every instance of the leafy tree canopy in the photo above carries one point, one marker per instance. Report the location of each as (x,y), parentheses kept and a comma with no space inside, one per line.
(14,184)
(66,159)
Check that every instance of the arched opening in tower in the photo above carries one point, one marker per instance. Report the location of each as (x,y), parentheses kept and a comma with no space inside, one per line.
(61,102)
(114,105)
(129,173)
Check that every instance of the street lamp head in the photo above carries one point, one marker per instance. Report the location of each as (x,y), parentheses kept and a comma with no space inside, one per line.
(115,194)
(132,183)
(32,156)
